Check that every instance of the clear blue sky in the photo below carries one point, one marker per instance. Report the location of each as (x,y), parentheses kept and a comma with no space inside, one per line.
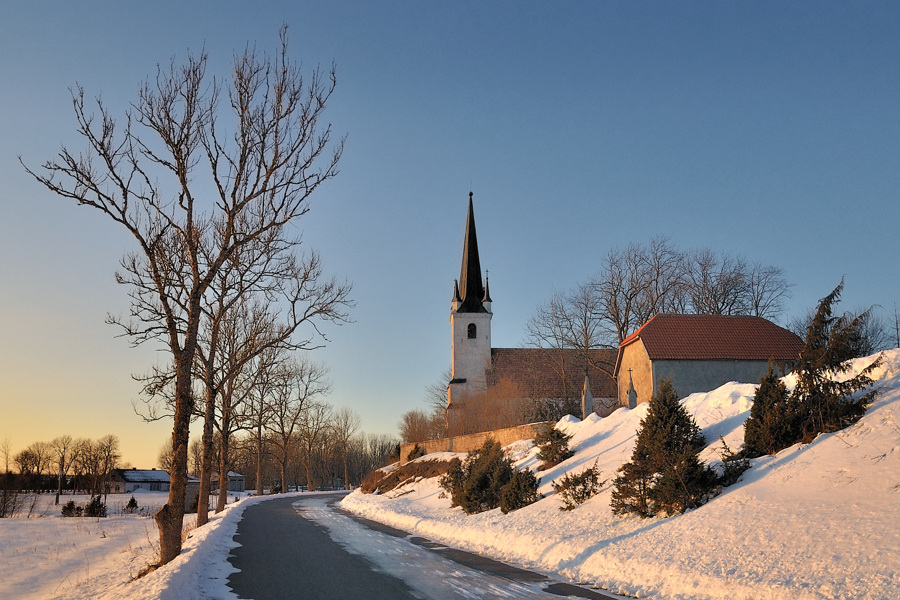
(767,129)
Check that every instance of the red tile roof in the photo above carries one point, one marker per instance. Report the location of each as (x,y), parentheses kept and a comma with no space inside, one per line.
(714,337)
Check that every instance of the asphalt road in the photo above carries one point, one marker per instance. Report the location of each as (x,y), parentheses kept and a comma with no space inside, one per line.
(284,556)
(304,547)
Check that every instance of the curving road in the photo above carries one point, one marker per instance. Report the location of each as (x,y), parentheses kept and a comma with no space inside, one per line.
(305,547)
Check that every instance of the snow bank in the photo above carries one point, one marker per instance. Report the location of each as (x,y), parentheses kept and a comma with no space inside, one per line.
(816,521)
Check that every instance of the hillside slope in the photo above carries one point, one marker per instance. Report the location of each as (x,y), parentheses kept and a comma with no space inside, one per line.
(815,521)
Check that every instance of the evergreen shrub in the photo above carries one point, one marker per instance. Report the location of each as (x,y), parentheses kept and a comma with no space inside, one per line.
(95,508)
(521,491)
(132,506)
(475,484)
(733,465)
(69,509)
(578,489)
(553,445)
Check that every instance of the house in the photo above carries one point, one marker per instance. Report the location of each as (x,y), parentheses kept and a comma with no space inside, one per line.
(123,481)
(236,482)
(492,388)
(699,353)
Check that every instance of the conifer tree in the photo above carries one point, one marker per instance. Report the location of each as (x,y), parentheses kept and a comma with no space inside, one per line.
(825,403)
(772,422)
(665,473)
(823,400)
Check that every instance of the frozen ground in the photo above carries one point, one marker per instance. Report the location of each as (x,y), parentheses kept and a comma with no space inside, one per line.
(816,521)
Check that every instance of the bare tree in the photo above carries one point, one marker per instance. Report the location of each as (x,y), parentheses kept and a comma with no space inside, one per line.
(346,424)
(436,404)
(636,283)
(380,450)
(33,462)
(640,281)
(767,289)
(415,426)
(298,383)
(315,427)
(63,447)
(145,177)
(6,450)
(108,454)
(267,366)
(716,284)
(895,327)
(572,323)
(164,457)
(195,451)
(436,393)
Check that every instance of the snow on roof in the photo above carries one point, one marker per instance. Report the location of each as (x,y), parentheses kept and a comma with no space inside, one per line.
(144,475)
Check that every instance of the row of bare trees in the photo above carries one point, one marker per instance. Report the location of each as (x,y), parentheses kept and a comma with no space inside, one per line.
(211,177)
(334,460)
(641,280)
(81,463)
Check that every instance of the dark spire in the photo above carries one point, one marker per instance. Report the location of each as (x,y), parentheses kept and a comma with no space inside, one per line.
(471,289)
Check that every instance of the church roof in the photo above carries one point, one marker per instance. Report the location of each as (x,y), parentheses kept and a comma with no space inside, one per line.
(714,337)
(471,292)
(540,371)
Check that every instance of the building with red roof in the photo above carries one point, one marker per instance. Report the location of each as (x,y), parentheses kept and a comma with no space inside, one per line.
(699,353)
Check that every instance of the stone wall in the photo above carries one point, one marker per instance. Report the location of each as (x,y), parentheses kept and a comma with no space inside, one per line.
(467,443)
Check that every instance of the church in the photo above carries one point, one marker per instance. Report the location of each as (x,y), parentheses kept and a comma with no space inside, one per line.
(496,388)
(492,388)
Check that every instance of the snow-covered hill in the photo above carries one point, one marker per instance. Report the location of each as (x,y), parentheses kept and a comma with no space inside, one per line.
(815,521)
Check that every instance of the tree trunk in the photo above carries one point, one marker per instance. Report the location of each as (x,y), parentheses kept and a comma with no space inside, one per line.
(207,459)
(222,498)
(259,450)
(310,484)
(170,517)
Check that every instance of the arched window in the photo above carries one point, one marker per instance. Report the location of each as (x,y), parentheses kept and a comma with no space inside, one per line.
(472,331)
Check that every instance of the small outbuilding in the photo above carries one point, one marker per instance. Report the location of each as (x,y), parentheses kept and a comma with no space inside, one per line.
(236,482)
(123,481)
(699,353)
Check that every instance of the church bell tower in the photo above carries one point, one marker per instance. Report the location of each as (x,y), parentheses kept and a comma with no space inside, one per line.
(470,326)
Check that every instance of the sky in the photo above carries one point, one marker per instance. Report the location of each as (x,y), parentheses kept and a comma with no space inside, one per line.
(768,130)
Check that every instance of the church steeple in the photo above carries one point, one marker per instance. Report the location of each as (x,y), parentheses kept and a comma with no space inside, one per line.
(471,289)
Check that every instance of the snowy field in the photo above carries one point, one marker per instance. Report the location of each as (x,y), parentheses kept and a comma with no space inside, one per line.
(46,556)
(816,521)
